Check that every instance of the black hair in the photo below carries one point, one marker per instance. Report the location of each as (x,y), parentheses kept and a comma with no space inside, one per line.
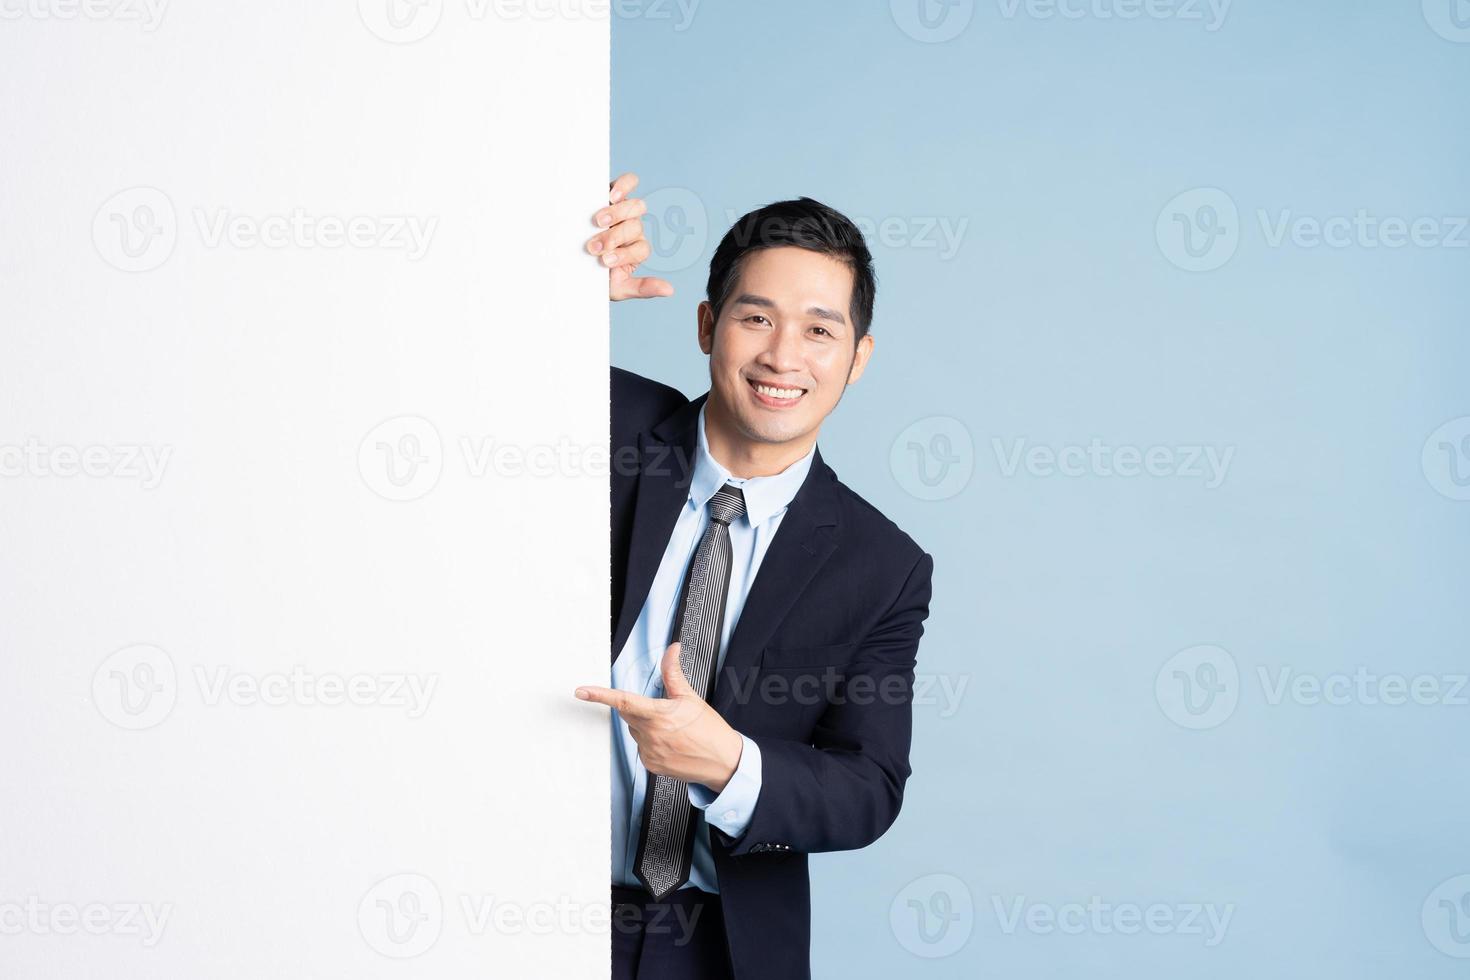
(802,223)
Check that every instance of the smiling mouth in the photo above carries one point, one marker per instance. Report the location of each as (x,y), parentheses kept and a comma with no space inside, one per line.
(776,395)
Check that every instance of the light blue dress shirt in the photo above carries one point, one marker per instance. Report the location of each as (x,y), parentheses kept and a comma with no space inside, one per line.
(637,665)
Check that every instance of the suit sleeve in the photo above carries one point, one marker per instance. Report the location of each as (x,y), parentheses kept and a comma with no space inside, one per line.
(844,789)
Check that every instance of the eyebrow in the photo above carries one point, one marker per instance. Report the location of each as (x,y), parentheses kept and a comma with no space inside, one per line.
(750,299)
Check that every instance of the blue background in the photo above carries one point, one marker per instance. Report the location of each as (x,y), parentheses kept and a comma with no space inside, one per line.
(1075,763)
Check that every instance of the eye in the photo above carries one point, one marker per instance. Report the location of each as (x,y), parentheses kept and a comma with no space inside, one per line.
(824,330)
(756,316)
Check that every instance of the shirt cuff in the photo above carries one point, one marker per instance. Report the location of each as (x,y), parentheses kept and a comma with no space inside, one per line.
(732,809)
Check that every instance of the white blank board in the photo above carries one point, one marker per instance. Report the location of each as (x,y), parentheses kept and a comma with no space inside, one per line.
(303,495)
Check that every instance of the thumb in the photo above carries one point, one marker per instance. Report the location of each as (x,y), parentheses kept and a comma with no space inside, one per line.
(675,683)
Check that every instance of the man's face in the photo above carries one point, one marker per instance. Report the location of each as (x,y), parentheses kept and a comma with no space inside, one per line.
(787,324)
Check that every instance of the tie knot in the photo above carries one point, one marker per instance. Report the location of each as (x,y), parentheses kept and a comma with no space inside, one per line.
(727,504)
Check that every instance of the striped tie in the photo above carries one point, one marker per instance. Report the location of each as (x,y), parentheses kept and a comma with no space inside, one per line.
(666,840)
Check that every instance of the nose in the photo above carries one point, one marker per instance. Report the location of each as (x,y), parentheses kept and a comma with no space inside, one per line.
(783,352)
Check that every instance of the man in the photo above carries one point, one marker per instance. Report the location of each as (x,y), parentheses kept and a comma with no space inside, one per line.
(765,618)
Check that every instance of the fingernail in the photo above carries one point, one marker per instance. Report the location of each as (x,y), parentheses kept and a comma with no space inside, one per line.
(582,693)
(610,259)
(604,220)
(596,245)
(615,196)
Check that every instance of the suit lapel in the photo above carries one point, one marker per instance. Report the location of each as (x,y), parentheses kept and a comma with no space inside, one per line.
(806,538)
(665,469)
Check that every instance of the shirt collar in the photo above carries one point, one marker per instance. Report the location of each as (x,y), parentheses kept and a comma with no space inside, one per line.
(765,496)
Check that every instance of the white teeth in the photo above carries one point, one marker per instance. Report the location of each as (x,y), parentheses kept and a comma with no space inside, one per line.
(787,393)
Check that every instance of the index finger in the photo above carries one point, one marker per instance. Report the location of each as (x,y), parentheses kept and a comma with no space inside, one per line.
(622,187)
(628,704)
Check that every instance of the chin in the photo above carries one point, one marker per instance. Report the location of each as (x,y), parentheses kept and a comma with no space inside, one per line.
(767,430)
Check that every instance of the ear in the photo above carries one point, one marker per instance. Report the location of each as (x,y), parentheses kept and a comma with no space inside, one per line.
(706,326)
(860,358)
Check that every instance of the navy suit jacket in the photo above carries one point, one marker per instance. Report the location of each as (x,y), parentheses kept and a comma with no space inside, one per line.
(818,672)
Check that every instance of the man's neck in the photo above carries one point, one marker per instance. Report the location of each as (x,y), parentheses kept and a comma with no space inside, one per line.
(743,457)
